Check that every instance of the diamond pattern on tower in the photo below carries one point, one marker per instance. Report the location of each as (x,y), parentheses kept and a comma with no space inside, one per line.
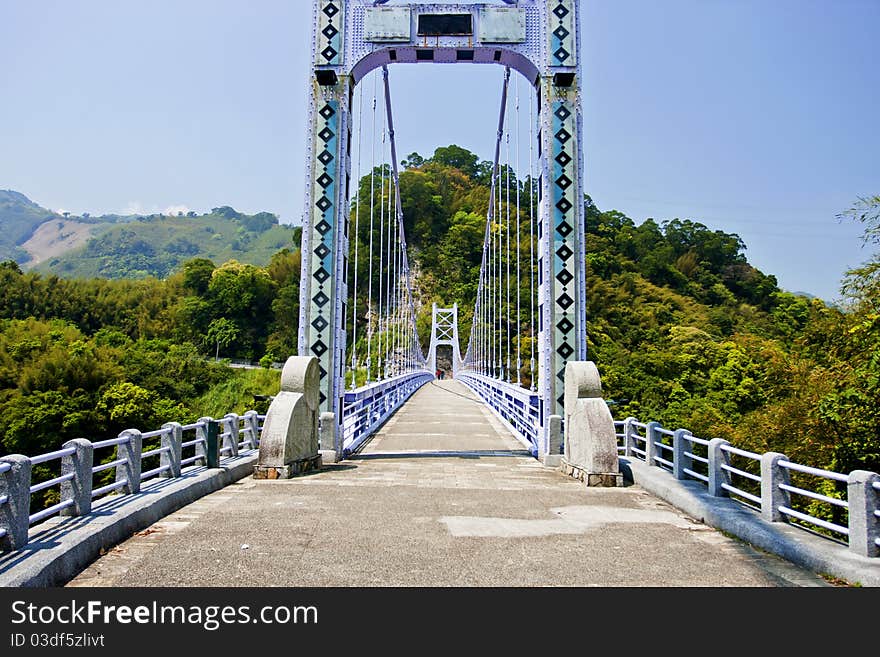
(321,276)
(564,252)
(564,277)
(564,205)
(565,350)
(563,135)
(563,158)
(564,229)
(320,324)
(561,39)
(324,204)
(562,54)
(565,301)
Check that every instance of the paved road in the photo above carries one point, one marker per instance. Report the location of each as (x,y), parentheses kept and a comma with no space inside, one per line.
(442,496)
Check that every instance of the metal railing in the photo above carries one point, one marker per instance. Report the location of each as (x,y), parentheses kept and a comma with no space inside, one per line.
(126,457)
(365,409)
(770,484)
(517,407)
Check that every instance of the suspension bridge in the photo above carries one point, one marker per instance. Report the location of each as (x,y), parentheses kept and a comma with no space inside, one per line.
(367,469)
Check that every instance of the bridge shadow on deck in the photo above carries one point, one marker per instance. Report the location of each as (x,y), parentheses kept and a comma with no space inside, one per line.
(441,454)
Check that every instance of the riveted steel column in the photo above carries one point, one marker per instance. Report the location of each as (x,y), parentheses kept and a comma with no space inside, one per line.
(323,290)
(562,296)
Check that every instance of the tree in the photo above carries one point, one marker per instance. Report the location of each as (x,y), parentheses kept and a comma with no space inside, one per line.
(222,332)
(457,157)
(413,161)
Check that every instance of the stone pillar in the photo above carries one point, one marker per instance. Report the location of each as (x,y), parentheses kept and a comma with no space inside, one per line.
(232,426)
(130,471)
(79,489)
(172,438)
(289,441)
(772,496)
(556,444)
(680,445)
(590,440)
(330,440)
(718,476)
(15,486)
(864,500)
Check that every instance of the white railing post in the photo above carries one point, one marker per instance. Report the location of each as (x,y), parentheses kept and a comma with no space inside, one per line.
(78,489)
(772,496)
(15,486)
(651,435)
(252,420)
(130,471)
(864,500)
(172,437)
(681,462)
(232,423)
(202,438)
(629,440)
(718,476)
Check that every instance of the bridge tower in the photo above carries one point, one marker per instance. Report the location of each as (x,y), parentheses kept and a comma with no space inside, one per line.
(538,38)
(444,331)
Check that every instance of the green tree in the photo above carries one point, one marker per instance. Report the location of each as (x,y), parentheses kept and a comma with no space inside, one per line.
(223,333)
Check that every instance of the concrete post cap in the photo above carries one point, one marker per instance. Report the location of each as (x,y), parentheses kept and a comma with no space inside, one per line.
(582,381)
(301,375)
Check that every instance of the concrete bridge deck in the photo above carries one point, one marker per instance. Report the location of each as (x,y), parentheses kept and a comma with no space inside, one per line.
(443,495)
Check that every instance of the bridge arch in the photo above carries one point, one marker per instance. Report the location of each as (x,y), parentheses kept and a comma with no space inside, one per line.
(539,39)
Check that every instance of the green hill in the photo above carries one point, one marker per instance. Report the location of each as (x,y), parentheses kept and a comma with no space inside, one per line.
(19,218)
(158,245)
(114,246)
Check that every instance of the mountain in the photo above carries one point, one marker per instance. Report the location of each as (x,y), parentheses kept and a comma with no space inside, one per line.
(115,246)
(19,219)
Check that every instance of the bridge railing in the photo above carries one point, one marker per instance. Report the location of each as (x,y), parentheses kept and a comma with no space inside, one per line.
(517,407)
(841,507)
(365,409)
(212,441)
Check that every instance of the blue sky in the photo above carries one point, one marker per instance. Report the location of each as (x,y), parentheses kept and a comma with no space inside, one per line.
(754,117)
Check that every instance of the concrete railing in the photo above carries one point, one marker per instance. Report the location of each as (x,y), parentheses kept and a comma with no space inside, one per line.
(366,408)
(769,483)
(181,448)
(517,407)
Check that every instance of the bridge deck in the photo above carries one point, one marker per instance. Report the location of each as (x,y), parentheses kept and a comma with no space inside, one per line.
(442,496)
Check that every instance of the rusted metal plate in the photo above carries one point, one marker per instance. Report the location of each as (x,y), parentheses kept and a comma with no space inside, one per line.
(502,25)
(388,24)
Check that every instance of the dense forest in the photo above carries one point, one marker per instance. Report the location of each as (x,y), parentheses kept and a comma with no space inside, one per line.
(683,329)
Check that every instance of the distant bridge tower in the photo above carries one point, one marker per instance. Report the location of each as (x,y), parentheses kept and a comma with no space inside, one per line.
(444,331)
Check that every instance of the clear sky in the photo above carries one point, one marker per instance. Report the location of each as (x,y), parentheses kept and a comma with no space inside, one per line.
(757,117)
